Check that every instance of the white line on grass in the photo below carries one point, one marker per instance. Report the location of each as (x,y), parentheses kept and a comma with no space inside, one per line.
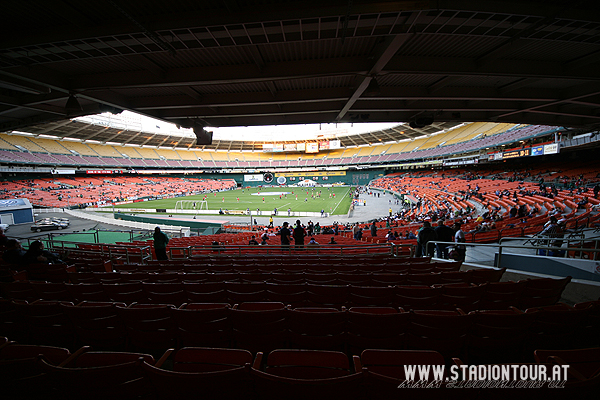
(341,199)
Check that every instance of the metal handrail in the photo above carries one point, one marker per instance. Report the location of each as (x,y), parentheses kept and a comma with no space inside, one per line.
(515,246)
(550,238)
(143,253)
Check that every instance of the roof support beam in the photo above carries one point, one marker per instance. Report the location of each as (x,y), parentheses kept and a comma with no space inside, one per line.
(383,54)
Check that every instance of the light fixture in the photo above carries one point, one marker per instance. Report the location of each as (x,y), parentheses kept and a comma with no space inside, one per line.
(73,105)
(420,122)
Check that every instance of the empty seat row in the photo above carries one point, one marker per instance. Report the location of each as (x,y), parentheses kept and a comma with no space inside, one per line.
(325,277)
(413,267)
(492,295)
(41,372)
(478,335)
(295,262)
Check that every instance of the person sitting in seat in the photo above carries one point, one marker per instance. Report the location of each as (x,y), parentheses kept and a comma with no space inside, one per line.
(3,238)
(14,252)
(582,203)
(37,254)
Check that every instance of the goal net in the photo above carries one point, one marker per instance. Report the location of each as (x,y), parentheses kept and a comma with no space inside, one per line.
(191,205)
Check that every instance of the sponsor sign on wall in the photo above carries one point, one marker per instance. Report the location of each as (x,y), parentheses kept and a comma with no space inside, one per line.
(253,178)
(318,173)
(312,147)
(551,148)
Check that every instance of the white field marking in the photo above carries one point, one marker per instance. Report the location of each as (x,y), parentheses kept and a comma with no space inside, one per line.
(341,198)
(270,194)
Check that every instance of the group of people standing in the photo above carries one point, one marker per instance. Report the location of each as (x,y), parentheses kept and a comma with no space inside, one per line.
(442,233)
(298,234)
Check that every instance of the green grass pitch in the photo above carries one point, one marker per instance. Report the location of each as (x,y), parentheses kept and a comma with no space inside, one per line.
(274,197)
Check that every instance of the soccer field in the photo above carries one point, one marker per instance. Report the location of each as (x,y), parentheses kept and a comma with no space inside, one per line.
(297,199)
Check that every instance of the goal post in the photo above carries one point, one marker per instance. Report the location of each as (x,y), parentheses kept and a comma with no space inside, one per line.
(191,205)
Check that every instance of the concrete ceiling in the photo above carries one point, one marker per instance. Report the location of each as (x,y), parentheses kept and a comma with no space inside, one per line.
(263,62)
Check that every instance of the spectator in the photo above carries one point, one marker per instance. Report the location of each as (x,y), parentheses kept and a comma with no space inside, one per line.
(3,238)
(389,236)
(355,231)
(299,234)
(14,252)
(359,234)
(459,237)
(444,234)
(317,228)
(252,241)
(426,234)
(581,204)
(285,236)
(265,235)
(332,241)
(37,254)
(551,228)
(312,242)
(160,244)
(373,229)
(216,247)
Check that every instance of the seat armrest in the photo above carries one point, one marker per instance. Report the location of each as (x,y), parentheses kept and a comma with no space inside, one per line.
(164,358)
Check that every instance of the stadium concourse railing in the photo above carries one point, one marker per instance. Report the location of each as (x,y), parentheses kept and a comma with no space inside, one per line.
(94,235)
(116,253)
(193,251)
(47,210)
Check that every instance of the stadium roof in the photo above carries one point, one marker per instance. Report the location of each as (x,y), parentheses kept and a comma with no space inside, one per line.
(263,62)
(106,129)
